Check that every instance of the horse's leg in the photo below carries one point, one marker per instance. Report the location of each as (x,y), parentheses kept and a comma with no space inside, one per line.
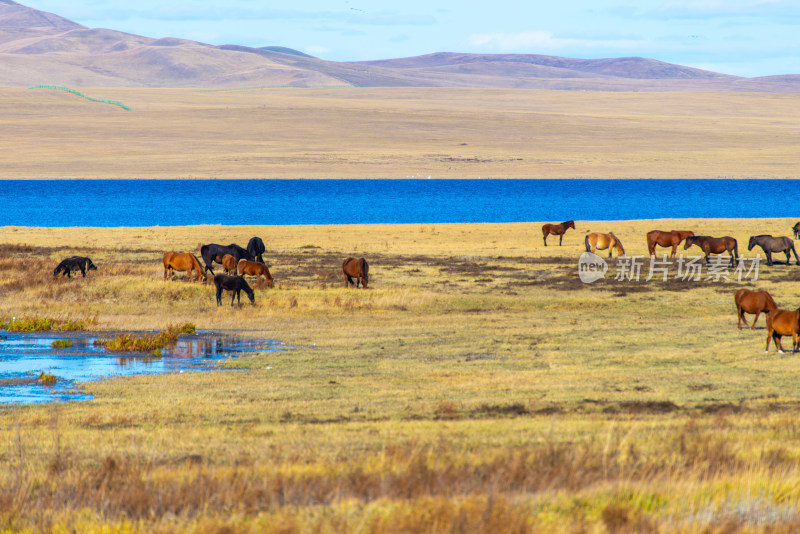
(769,257)
(797,260)
(733,258)
(561,237)
(794,340)
(769,336)
(740,314)
(219,296)
(544,237)
(777,338)
(233,297)
(753,327)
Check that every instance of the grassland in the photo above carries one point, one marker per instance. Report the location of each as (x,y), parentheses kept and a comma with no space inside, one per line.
(479,386)
(397,132)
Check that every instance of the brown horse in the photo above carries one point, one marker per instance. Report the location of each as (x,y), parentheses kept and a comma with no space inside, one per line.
(717,245)
(672,239)
(358,269)
(783,323)
(229,264)
(752,302)
(796,230)
(608,241)
(771,244)
(556,229)
(185,261)
(253,268)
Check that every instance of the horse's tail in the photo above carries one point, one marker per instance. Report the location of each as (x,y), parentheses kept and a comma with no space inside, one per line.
(735,248)
(588,246)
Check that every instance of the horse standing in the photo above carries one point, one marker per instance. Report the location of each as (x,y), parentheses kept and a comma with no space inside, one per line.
(783,323)
(796,230)
(672,239)
(771,244)
(355,268)
(254,268)
(556,229)
(74,263)
(214,253)
(229,264)
(717,245)
(235,284)
(255,249)
(184,261)
(752,302)
(596,241)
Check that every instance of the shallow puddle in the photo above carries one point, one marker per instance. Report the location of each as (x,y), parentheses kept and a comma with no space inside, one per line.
(25,355)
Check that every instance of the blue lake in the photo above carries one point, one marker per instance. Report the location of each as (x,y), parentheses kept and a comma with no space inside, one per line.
(109,203)
(24,355)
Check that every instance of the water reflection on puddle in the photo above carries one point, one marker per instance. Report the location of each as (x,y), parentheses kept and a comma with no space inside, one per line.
(24,355)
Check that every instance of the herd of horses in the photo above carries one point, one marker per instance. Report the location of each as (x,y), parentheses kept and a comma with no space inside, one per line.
(236,262)
(779,322)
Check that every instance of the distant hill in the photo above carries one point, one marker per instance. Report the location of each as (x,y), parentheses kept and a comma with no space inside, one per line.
(44,48)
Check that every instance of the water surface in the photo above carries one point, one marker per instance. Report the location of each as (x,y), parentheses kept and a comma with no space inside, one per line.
(24,355)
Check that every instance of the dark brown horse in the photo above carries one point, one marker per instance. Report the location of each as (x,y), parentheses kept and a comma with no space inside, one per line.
(752,302)
(672,239)
(771,244)
(782,323)
(184,261)
(556,229)
(716,245)
(74,263)
(355,268)
(253,268)
(234,284)
(796,230)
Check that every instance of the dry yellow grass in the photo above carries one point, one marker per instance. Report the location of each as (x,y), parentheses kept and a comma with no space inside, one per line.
(397,132)
(478,387)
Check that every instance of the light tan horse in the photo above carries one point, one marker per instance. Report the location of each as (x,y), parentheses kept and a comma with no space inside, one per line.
(229,264)
(183,261)
(597,241)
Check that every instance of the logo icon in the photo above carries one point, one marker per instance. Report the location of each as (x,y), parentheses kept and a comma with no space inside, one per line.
(591,267)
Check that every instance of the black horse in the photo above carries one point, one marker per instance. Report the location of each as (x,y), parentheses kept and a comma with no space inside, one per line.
(771,244)
(213,253)
(234,284)
(255,247)
(74,263)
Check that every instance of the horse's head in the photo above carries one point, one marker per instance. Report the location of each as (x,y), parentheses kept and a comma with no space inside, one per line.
(753,242)
(569,224)
(689,242)
(90,266)
(252,297)
(56,270)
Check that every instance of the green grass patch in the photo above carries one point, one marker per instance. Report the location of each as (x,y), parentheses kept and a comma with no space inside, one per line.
(39,324)
(61,344)
(46,379)
(152,343)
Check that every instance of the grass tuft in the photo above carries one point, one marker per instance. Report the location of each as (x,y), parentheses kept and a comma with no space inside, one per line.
(147,342)
(61,344)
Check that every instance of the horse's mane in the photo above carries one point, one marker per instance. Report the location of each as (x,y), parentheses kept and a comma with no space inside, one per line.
(762,235)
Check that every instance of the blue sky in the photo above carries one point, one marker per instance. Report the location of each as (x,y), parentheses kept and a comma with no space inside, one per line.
(741,37)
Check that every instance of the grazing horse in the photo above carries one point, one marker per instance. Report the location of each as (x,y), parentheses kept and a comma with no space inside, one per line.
(255,249)
(253,268)
(717,245)
(796,230)
(556,229)
(229,264)
(235,284)
(213,253)
(74,263)
(752,302)
(184,261)
(771,244)
(608,241)
(672,239)
(782,323)
(358,269)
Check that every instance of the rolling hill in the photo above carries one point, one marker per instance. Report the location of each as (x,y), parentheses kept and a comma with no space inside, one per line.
(44,48)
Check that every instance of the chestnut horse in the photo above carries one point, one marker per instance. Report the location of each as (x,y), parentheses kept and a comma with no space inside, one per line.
(717,245)
(358,269)
(672,239)
(796,230)
(253,268)
(185,261)
(752,302)
(608,241)
(229,264)
(783,323)
(556,229)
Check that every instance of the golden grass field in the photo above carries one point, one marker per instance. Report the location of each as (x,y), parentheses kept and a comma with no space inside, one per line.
(396,133)
(478,386)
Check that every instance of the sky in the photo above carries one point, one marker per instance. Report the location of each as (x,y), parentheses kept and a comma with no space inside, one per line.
(740,37)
